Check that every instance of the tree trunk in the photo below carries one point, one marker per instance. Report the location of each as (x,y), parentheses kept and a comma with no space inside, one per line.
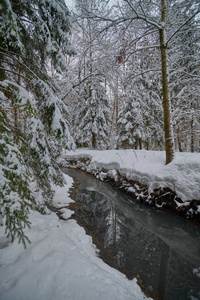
(179,142)
(192,135)
(2,72)
(116,99)
(192,130)
(140,143)
(169,137)
(93,140)
(16,130)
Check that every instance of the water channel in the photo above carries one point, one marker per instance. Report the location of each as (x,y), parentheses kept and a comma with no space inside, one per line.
(163,249)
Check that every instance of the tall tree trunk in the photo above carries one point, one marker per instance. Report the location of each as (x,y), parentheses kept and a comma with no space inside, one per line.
(112,125)
(192,130)
(168,128)
(192,135)
(116,99)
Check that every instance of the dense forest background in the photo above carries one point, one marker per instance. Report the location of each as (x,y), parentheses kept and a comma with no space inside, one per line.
(118,48)
(104,76)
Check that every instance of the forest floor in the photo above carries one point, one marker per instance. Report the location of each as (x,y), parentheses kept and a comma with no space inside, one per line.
(60,263)
(144,175)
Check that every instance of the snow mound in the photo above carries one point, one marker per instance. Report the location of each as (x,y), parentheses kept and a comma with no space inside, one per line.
(182,175)
(60,263)
(66,213)
(61,196)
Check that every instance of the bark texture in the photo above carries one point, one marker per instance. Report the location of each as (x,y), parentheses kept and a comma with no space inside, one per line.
(168,128)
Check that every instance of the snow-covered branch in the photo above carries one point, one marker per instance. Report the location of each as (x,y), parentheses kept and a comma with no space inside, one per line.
(143,16)
(181,26)
(142,73)
(182,70)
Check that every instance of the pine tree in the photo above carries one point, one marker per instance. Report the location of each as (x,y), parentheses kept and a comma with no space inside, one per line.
(33,125)
(140,119)
(130,123)
(93,128)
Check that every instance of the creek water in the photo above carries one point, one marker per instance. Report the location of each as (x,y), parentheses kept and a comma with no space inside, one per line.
(163,249)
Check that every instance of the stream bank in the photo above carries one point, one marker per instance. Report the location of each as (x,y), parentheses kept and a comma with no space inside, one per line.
(86,219)
(159,197)
(159,249)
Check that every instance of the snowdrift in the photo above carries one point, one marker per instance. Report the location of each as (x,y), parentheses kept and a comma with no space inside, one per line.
(144,174)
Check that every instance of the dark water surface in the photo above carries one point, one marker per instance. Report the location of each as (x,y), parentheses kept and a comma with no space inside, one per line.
(162,249)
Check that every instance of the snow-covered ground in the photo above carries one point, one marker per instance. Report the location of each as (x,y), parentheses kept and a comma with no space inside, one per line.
(182,175)
(60,263)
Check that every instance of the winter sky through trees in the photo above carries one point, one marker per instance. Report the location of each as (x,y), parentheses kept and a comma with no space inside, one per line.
(69,3)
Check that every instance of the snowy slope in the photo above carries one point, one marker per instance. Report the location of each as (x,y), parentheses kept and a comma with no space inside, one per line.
(182,175)
(60,263)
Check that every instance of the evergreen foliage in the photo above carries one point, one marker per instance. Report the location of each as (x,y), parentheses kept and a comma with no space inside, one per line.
(130,124)
(92,130)
(33,125)
(140,118)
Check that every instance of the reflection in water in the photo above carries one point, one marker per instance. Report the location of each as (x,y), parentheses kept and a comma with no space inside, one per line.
(163,249)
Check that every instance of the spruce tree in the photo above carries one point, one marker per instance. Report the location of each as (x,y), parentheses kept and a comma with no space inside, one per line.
(130,123)
(93,127)
(33,126)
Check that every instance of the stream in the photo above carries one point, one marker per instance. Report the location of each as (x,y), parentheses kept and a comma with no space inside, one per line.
(163,249)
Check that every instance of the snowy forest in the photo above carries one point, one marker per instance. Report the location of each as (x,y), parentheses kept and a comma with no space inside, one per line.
(103,75)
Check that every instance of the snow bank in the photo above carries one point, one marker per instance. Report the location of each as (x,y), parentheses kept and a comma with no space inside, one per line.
(60,263)
(182,175)
(61,196)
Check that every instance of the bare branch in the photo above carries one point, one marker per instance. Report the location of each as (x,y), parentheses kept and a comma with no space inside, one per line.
(140,49)
(146,71)
(143,17)
(182,26)
(194,76)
